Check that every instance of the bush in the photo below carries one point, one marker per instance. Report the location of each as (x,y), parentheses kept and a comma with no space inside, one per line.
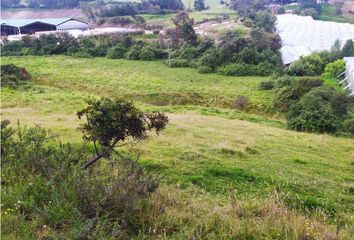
(348,125)
(205,70)
(289,95)
(311,65)
(262,69)
(281,10)
(266,85)
(188,52)
(44,179)
(147,54)
(284,81)
(348,49)
(334,69)
(313,113)
(175,63)
(211,58)
(116,52)
(235,69)
(98,51)
(134,52)
(81,53)
(12,76)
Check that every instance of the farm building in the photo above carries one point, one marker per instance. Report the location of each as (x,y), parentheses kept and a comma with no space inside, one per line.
(301,36)
(30,26)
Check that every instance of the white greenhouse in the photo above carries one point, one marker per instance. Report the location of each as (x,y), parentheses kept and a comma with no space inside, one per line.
(301,36)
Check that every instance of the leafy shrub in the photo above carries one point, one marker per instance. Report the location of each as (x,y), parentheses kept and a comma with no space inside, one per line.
(175,63)
(109,122)
(348,125)
(116,52)
(283,81)
(210,58)
(266,85)
(313,113)
(262,69)
(235,69)
(311,65)
(98,51)
(310,12)
(44,179)
(187,52)
(12,48)
(81,53)
(348,49)
(205,70)
(134,52)
(12,76)
(281,10)
(289,95)
(147,54)
(334,69)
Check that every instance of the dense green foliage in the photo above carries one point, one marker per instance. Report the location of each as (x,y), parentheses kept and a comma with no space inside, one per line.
(111,122)
(13,76)
(235,54)
(44,180)
(114,46)
(311,107)
(334,69)
(348,49)
(315,64)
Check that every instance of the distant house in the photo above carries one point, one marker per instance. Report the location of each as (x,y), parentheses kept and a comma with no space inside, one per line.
(31,26)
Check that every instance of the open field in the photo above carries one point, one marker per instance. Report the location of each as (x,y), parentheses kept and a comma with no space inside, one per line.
(328,14)
(209,150)
(165,20)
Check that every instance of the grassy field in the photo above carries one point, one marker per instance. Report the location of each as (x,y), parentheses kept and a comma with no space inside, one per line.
(328,14)
(165,20)
(209,152)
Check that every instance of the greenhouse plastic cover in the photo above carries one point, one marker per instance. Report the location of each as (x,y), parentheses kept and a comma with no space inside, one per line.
(301,36)
(349,73)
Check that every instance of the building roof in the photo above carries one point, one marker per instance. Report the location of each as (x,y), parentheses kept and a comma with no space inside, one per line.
(301,36)
(24,22)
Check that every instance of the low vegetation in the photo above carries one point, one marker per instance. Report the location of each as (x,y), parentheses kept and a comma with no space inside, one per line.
(229,180)
(13,76)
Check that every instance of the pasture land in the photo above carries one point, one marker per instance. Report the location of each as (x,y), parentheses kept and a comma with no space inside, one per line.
(209,153)
(328,14)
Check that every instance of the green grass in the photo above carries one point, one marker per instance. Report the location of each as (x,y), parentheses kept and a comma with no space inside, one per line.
(328,14)
(207,145)
(147,82)
(165,19)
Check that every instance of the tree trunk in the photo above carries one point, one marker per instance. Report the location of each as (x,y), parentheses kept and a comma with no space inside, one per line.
(92,161)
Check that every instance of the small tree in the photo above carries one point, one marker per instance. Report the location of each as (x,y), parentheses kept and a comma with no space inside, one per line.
(110,123)
(348,49)
(199,5)
(184,28)
(334,69)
